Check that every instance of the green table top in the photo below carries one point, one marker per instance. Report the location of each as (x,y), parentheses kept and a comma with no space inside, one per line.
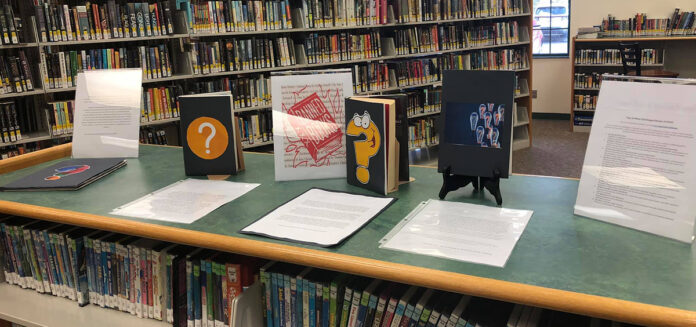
(557,250)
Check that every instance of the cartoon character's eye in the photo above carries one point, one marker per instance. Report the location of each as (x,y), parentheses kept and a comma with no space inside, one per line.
(356,120)
(366,121)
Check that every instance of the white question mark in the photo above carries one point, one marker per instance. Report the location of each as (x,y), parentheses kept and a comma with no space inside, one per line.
(210,137)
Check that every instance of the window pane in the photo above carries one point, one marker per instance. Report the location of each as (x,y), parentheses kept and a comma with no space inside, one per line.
(551,25)
(559,41)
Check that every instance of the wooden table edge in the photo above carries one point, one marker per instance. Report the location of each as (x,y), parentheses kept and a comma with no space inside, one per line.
(573,302)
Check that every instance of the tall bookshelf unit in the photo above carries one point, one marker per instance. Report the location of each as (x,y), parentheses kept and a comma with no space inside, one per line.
(404,45)
(581,116)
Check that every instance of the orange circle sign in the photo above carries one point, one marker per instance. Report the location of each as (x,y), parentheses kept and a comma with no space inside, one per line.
(207,138)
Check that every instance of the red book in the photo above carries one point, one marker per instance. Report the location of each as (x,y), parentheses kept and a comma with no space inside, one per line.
(316,128)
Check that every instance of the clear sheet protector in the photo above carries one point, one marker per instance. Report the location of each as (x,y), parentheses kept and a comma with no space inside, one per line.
(319,217)
(459,231)
(639,164)
(184,201)
(309,123)
(107,113)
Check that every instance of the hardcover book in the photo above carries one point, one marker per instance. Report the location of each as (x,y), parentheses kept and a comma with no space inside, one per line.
(372,151)
(212,143)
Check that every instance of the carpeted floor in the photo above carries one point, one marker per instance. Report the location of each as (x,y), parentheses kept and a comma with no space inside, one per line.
(556,151)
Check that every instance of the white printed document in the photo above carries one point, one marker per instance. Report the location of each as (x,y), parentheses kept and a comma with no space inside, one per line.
(107,113)
(459,231)
(184,201)
(319,217)
(639,164)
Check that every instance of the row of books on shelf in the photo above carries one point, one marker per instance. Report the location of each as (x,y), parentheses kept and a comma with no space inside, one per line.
(376,76)
(342,46)
(152,135)
(585,102)
(680,23)
(423,132)
(59,69)
(15,73)
(238,16)
(407,11)
(11,25)
(424,39)
(242,54)
(247,91)
(18,150)
(423,101)
(370,77)
(9,123)
(613,56)
(160,103)
(501,59)
(126,273)
(463,35)
(582,120)
(60,116)
(189,286)
(588,80)
(102,21)
(255,128)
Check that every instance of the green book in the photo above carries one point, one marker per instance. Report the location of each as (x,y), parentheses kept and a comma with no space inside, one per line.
(335,291)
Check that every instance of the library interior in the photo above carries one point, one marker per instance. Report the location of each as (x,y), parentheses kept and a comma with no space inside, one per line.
(347,163)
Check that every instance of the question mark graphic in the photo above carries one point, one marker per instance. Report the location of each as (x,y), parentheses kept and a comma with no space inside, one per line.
(365,148)
(210,137)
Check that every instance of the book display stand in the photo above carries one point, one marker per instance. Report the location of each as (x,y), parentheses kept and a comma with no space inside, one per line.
(452,182)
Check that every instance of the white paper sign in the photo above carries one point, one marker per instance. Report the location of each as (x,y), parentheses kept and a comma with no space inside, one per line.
(308,124)
(107,113)
(639,165)
(460,231)
(319,217)
(184,201)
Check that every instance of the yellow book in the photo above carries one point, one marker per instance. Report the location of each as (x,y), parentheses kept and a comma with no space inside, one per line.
(170,106)
(66,112)
(156,103)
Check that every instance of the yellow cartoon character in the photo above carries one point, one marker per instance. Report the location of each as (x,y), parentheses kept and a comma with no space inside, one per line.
(364,148)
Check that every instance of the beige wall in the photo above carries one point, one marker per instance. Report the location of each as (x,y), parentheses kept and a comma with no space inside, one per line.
(552,76)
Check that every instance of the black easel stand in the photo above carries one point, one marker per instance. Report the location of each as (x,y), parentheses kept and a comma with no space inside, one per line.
(453,182)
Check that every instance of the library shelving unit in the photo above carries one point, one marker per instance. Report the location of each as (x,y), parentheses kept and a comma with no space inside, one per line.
(581,118)
(185,76)
(561,262)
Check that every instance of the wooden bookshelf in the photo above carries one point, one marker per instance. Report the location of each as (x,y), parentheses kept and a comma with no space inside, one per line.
(606,43)
(561,262)
(182,67)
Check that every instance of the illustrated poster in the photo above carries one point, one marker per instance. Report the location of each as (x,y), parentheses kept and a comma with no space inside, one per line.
(309,124)
(485,124)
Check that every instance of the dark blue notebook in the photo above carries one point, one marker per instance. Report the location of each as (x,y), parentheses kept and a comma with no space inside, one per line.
(66,175)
